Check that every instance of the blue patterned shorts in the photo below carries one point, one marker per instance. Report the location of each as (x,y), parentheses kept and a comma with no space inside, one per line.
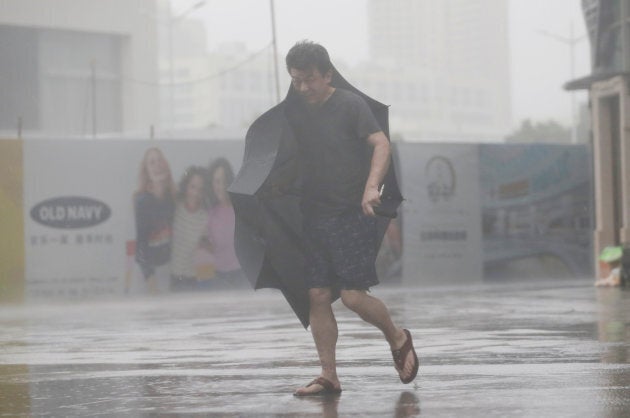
(341,251)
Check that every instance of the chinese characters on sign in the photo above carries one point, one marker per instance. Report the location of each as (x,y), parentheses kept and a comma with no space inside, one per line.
(70,239)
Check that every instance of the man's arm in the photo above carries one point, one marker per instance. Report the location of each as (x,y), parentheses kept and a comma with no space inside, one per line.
(378,169)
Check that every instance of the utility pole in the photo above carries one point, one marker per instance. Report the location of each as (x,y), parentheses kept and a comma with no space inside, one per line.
(171,72)
(93,85)
(274,42)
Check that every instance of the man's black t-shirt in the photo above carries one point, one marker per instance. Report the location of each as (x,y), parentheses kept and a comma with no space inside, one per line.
(334,155)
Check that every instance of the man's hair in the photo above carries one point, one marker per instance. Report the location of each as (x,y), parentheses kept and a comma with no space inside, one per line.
(305,55)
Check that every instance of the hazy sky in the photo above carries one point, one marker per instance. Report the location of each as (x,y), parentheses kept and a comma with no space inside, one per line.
(540,65)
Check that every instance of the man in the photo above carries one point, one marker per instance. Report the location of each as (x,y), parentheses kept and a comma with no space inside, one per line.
(335,130)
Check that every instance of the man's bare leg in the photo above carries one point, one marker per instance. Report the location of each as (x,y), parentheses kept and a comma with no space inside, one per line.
(324,330)
(374,311)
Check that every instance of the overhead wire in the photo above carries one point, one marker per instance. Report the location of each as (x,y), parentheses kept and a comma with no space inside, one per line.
(205,78)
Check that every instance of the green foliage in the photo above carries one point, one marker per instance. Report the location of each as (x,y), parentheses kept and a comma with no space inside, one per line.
(540,132)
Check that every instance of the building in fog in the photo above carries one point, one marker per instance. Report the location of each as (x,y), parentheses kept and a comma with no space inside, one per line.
(184,91)
(78,67)
(443,66)
(244,85)
(608,25)
(223,90)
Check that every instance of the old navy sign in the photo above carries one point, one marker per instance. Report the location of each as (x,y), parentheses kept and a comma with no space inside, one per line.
(70,212)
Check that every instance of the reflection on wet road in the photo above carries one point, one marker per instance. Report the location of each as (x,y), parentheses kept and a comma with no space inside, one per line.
(493,350)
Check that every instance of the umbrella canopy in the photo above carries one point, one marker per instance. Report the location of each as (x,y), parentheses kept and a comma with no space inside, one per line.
(611,254)
(268,237)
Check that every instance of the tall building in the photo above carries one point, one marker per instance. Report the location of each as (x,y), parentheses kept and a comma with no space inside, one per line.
(443,66)
(244,84)
(184,67)
(78,67)
(608,25)
(219,92)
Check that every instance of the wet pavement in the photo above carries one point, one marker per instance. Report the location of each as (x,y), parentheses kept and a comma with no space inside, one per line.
(533,350)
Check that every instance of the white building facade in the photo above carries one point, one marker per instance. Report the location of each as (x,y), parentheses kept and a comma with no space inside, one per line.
(443,66)
(222,91)
(77,68)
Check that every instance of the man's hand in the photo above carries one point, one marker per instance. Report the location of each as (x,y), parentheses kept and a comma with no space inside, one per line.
(371,198)
(378,168)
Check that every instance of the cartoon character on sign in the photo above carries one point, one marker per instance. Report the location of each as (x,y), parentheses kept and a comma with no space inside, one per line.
(441,180)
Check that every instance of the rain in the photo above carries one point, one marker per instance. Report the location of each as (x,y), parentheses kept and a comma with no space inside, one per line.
(154,223)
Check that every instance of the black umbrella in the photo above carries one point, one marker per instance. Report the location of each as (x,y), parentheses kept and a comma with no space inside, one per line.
(268,219)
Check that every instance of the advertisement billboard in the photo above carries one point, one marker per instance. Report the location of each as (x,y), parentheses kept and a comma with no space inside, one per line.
(537,211)
(441,213)
(84,219)
(80,211)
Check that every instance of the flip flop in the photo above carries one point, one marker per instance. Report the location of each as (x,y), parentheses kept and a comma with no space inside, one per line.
(327,388)
(401,354)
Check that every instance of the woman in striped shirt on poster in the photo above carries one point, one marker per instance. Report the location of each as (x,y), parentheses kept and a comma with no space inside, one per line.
(189,228)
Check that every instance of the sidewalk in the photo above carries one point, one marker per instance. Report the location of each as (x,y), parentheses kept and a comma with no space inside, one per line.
(486,351)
